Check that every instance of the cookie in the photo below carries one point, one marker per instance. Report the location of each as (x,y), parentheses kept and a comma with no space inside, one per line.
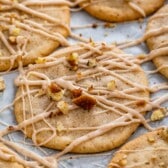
(157,21)
(31,31)
(8,158)
(78,92)
(147,151)
(121,10)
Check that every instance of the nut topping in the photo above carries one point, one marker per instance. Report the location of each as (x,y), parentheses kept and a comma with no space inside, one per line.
(55,92)
(76,93)
(73,61)
(63,107)
(158,114)
(85,102)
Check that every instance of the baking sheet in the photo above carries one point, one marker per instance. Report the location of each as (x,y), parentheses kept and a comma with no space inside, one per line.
(122,32)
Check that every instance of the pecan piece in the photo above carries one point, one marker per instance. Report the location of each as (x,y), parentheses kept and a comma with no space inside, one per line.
(54,88)
(55,92)
(85,102)
(76,93)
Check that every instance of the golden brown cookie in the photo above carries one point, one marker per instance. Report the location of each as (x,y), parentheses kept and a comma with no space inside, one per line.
(147,151)
(121,10)
(7,158)
(30,31)
(156,22)
(80,90)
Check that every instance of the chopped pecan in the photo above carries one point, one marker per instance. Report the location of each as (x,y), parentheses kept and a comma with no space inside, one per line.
(73,59)
(92,63)
(141,103)
(55,92)
(12,39)
(94,25)
(11,128)
(54,88)
(90,88)
(85,102)
(111,85)
(157,115)
(76,93)
(63,107)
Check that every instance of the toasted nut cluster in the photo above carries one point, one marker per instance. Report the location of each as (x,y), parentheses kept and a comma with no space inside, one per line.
(85,102)
(2,84)
(73,60)
(55,92)
(40,60)
(111,85)
(158,114)
(63,107)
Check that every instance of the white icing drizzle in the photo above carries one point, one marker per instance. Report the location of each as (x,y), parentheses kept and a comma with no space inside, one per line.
(8,46)
(44,81)
(54,2)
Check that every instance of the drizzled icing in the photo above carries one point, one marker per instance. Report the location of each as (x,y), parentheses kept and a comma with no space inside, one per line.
(137,8)
(35,77)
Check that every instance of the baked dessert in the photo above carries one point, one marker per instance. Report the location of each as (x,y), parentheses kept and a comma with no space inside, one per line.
(121,10)
(147,151)
(158,23)
(31,30)
(85,90)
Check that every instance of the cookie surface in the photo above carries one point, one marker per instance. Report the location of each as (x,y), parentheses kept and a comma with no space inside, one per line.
(7,159)
(121,10)
(159,20)
(93,87)
(31,31)
(147,151)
